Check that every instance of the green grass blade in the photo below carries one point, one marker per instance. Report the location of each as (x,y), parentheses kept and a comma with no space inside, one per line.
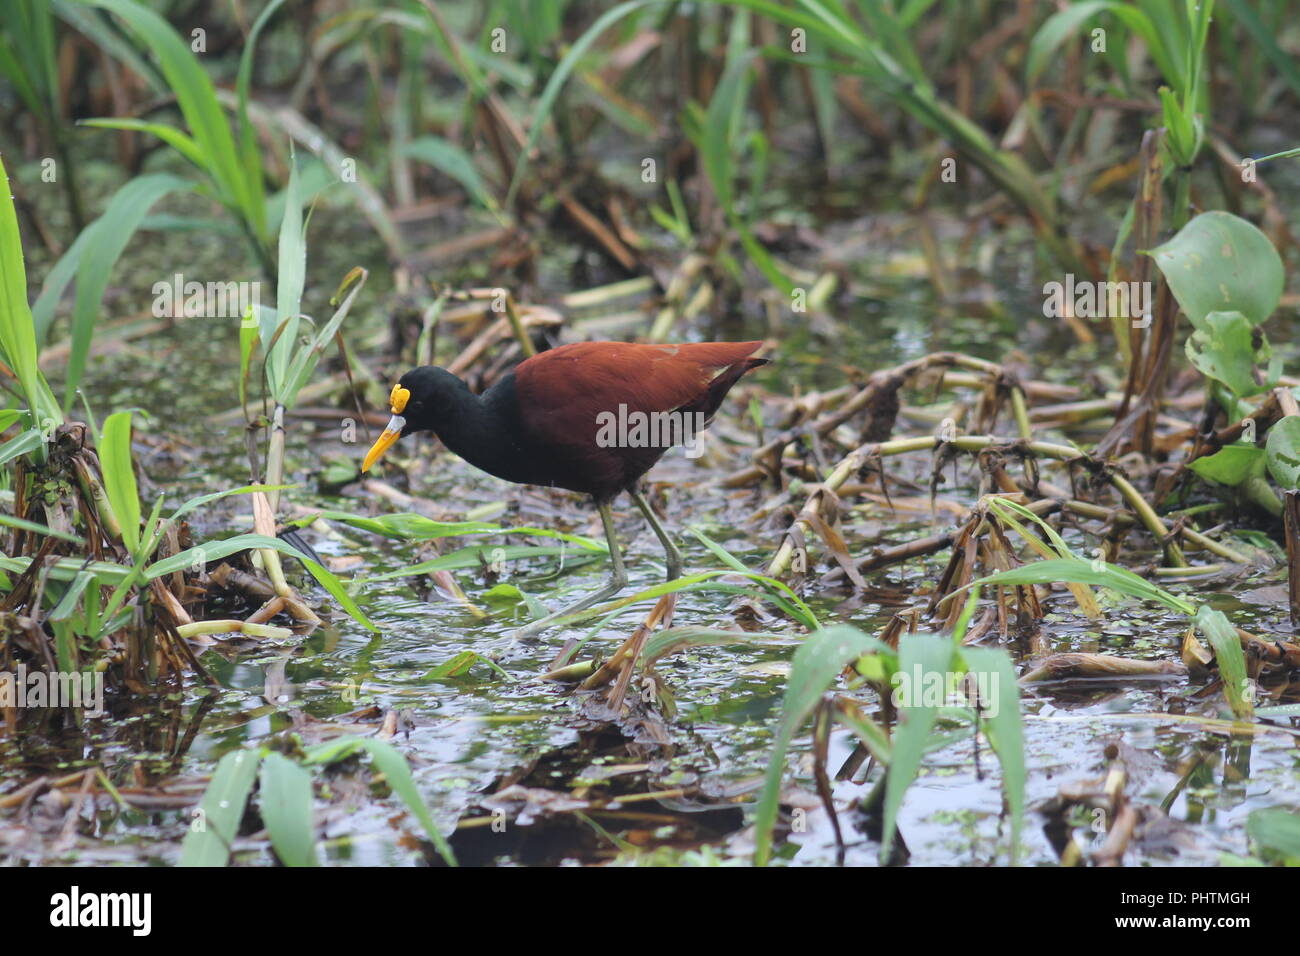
(1100,574)
(292,265)
(111,232)
(201,500)
(546,102)
(874,737)
(816,664)
(9,521)
(22,444)
(250,154)
(119,477)
(176,139)
(721,128)
(1005,729)
(216,821)
(390,762)
(285,802)
(195,95)
(17,331)
(68,602)
(450,159)
(308,356)
(1231,660)
(920,656)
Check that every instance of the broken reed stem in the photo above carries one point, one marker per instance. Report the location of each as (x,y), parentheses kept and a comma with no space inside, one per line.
(267,611)
(517,326)
(625,657)
(675,295)
(571,673)
(603,294)
(848,465)
(264,524)
(171,602)
(1291,522)
(1149,518)
(1286,401)
(275,461)
(883,381)
(499,330)
(1200,570)
(232,627)
(973,443)
(1021,411)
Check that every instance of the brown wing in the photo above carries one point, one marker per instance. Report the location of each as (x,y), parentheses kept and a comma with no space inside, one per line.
(564,393)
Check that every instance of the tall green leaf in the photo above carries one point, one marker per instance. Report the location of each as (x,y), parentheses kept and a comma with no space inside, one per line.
(1005,728)
(216,821)
(816,664)
(450,159)
(281,327)
(546,102)
(1230,657)
(249,154)
(285,802)
(922,658)
(119,477)
(1099,574)
(17,335)
(197,98)
(1057,28)
(390,762)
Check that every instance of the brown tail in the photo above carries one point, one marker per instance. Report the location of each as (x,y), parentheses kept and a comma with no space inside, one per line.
(720,386)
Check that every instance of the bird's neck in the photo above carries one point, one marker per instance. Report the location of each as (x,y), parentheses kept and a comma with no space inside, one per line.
(483,429)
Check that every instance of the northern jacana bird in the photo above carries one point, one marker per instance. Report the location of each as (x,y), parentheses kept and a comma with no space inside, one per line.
(591,417)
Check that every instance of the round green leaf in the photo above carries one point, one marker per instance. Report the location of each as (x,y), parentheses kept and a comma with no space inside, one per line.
(1219,262)
(1231,465)
(1283,447)
(1223,348)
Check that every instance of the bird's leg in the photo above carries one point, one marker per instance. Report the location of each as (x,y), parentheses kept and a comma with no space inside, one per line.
(617,581)
(670,549)
(673,556)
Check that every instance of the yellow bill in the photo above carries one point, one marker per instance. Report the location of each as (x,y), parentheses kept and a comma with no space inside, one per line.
(385,441)
(397,400)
